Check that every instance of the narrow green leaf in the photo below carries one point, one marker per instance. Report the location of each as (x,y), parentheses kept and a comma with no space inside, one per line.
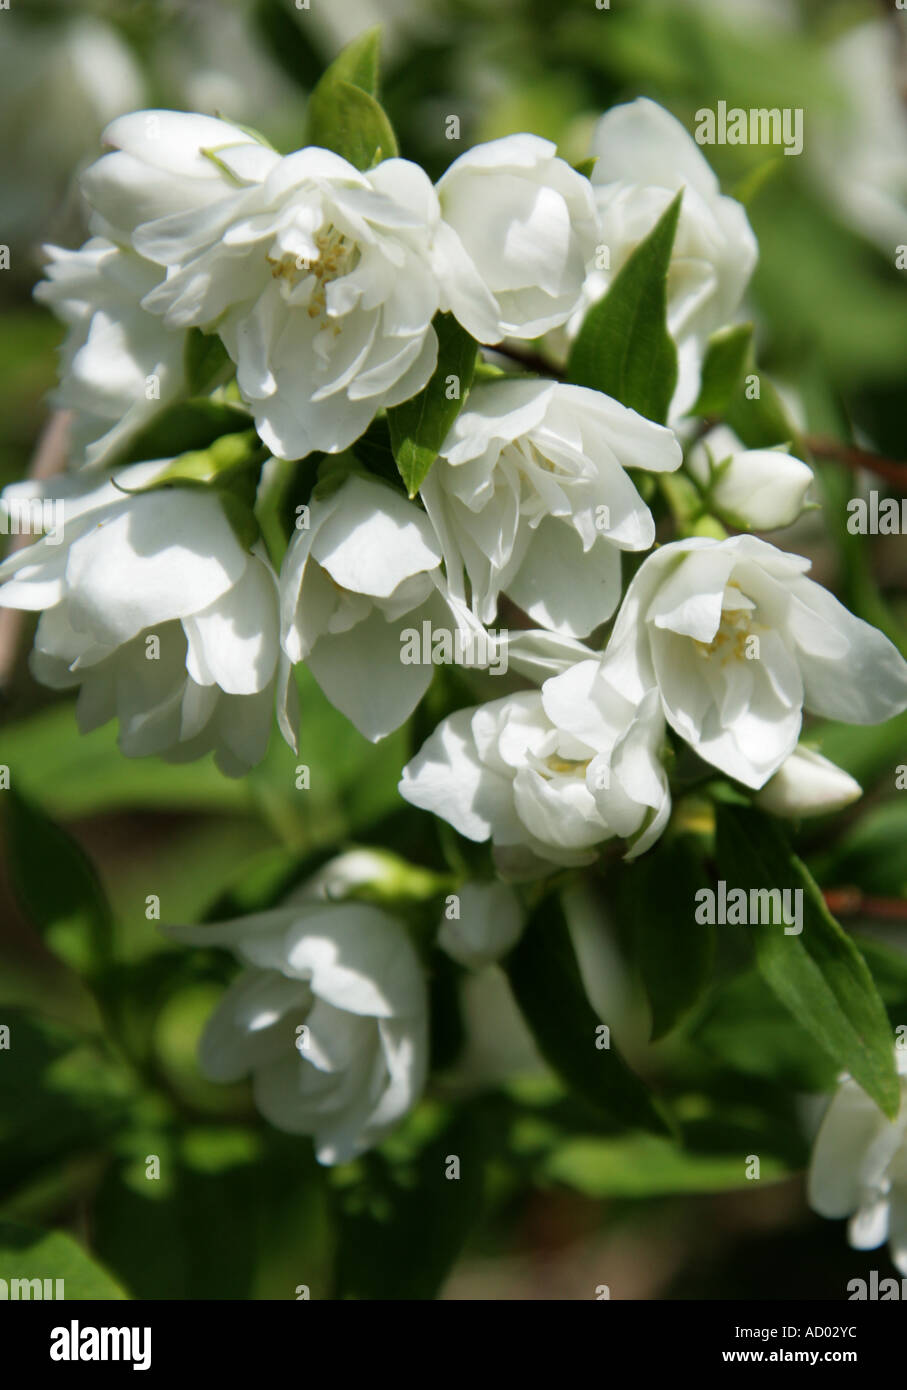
(762,420)
(645,1165)
(344,114)
(359,62)
(548,988)
(29,1254)
(725,361)
(56,885)
(623,347)
(419,425)
(819,975)
(674,953)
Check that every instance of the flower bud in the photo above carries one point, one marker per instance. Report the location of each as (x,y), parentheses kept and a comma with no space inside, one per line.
(755,489)
(806,784)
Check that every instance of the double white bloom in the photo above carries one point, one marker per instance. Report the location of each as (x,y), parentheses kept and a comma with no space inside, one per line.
(366,567)
(859,1168)
(737,641)
(119,363)
(329,1017)
(322,281)
(161,617)
(548,775)
(530,498)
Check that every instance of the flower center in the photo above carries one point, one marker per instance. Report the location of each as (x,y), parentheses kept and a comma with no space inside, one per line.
(736,627)
(337,256)
(572,767)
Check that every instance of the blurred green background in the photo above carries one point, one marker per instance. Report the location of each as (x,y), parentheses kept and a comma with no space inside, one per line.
(551,1205)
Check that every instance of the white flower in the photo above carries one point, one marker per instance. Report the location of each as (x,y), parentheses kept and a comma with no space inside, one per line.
(165,164)
(859,1168)
(738,642)
(806,784)
(318,279)
(366,567)
(530,497)
(548,775)
(519,231)
(120,363)
(329,1018)
(488,921)
(758,489)
(156,611)
(644,156)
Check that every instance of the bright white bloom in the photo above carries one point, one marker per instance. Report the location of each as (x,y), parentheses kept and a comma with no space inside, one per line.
(319,280)
(153,608)
(519,233)
(859,1168)
(329,1018)
(644,156)
(488,920)
(548,775)
(806,784)
(754,489)
(366,568)
(164,164)
(738,642)
(120,364)
(529,496)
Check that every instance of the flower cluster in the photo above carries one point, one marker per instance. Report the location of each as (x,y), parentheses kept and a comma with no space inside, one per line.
(315,291)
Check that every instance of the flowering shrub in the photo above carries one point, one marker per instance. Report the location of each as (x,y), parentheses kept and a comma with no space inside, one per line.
(480,460)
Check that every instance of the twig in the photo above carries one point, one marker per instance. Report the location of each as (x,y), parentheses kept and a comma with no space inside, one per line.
(851,902)
(890,469)
(532,361)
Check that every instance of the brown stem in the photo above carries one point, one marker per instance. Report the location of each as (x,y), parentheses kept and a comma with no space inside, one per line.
(851,902)
(532,361)
(891,470)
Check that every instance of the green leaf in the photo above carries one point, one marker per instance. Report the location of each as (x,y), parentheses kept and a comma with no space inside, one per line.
(235,1213)
(205,359)
(585,166)
(819,975)
(644,1165)
(359,62)
(623,347)
(548,988)
(187,425)
(762,421)
(205,466)
(674,954)
(418,426)
(60,1099)
(725,361)
(748,1028)
(56,885)
(344,114)
(403,1221)
(26,1253)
